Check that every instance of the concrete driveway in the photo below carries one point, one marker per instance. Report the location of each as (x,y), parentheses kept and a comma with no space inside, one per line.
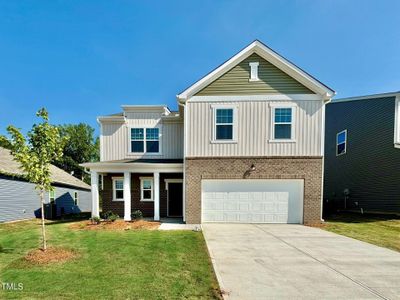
(299,262)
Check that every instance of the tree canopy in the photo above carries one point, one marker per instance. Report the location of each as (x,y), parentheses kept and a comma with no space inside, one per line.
(82,147)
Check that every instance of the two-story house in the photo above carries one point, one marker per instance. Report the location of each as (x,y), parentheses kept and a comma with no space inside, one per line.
(246,145)
(362,154)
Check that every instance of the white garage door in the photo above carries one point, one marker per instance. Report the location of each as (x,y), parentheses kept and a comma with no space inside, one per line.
(252,201)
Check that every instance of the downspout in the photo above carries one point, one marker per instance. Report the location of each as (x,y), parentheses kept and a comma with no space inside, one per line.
(326,99)
(181,103)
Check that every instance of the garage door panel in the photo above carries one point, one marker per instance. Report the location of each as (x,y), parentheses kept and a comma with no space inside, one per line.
(252,201)
(230,205)
(244,206)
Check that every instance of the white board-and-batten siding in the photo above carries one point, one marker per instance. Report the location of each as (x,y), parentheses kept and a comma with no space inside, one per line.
(115,139)
(254,129)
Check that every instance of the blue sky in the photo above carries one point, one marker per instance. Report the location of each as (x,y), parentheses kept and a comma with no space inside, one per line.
(82,59)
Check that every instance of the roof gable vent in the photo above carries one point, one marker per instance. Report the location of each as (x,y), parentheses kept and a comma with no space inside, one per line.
(254,71)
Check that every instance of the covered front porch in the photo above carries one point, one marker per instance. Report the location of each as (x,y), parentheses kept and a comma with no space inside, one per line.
(155,187)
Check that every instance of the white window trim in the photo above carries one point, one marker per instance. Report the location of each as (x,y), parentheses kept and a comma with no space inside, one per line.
(274,106)
(141,189)
(173,180)
(254,71)
(214,108)
(114,189)
(345,143)
(55,197)
(144,141)
(397,122)
(76,199)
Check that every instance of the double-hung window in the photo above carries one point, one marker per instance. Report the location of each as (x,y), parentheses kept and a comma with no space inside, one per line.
(146,188)
(341,142)
(145,140)
(224,124)
(52,196)
(282,127)
(76,198)
(118,189)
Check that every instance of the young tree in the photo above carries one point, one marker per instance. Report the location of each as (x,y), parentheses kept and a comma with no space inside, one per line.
(35,153)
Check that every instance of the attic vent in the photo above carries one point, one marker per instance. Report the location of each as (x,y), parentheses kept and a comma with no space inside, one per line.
(254,71)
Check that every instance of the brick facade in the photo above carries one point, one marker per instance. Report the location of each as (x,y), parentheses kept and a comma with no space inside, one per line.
(147,208)
(307,168)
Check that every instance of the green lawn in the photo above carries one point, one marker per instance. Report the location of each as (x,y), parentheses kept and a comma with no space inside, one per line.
(383,231)
(112,265)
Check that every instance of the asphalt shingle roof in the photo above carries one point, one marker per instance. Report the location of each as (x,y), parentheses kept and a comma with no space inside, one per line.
(8,166)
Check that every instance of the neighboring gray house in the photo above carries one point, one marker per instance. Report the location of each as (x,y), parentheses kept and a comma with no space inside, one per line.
(245,146)
(19,199)
(362,154)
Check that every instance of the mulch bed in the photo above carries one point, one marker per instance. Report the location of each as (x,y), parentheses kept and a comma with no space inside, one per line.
(316,224)
(51,255)
(117,225)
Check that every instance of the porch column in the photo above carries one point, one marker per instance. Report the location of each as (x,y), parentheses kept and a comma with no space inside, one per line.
(156,196)
(127,196)
(94,180)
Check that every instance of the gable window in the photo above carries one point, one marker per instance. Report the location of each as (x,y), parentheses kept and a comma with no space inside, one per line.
(146,189)
(145,140)
(282,127)
(341,142)
(52,196)
(76,198)
(254,71)
(118,189)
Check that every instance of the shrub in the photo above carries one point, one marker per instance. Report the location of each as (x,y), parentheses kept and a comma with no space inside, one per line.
(110,216)
(137,215)
(104,215)
(95,220)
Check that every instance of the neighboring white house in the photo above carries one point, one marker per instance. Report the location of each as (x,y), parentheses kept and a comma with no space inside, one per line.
(19,200)
(246,145)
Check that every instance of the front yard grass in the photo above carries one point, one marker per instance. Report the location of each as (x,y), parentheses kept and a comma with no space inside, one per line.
(383,231)
(133,264)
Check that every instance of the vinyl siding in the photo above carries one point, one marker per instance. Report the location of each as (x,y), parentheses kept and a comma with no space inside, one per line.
(19,200)
(254,130)
(370,168)
(272,81)
(115,140)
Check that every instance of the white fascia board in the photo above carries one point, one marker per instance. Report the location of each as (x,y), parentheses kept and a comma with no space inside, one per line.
(111,119)
(133,167)
(270,56)
(147,108)
(283,97)
(397,122)
(373,96)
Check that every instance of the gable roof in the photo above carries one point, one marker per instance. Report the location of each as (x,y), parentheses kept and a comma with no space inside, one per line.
(10,167)
(271,56)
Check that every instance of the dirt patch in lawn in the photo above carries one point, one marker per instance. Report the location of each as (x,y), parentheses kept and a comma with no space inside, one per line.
(116,225)
(51,255)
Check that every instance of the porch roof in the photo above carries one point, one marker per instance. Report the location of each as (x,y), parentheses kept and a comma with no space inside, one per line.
(141,165)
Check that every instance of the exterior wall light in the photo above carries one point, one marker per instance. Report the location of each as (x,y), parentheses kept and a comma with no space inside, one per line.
(249,171)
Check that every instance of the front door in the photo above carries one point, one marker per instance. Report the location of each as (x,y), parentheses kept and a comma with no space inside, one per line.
(175,197)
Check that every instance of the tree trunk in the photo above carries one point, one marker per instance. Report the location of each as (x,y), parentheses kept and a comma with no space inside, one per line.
(44,243)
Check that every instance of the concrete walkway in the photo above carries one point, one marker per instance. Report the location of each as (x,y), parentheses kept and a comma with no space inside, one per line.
(299,262)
